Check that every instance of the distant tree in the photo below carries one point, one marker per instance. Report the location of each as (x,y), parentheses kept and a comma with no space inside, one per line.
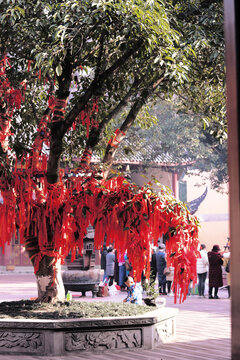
(182,138)
(201,23)
(193,125)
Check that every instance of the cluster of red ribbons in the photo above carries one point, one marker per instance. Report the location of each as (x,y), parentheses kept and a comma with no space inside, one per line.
(114,142)
(132,218)
(10,99)
(88,117)
(58,215)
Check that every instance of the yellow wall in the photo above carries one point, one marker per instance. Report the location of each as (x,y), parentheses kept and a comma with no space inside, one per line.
(213,212)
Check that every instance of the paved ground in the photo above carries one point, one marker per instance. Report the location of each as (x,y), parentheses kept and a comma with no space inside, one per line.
(203,326)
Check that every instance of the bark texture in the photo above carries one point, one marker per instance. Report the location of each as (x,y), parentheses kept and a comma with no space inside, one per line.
(48,274)
(50,287)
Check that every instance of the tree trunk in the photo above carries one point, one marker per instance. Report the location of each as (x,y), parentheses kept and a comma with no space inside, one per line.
(48,273)
(49,281)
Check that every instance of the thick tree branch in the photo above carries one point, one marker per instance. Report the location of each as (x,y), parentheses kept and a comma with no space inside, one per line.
(57,134)
(96,133)
(96,87)
(59,127)
(100,54)
(128,122)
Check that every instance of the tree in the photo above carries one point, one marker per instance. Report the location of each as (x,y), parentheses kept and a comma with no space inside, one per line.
(201,99)
(74,67)
(203,96)
(183,139)
(203,23)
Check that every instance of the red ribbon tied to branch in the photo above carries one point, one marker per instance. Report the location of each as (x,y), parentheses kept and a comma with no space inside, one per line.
(113,142)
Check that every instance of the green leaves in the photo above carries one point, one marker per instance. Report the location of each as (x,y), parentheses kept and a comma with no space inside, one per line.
(59,70)
(179,42)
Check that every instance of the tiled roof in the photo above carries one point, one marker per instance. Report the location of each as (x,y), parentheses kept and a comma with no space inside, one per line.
(143,157)
(194,204)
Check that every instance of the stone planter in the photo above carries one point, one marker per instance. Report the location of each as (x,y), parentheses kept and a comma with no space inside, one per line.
(62,337)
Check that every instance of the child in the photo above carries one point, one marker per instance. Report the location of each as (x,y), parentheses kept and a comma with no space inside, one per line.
(134,291)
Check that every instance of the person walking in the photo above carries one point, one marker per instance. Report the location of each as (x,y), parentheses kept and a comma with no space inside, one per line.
(110,265)
(202,270)
(215,271)
(161,264)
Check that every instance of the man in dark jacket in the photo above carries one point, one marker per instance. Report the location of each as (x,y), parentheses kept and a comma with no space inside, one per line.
(103,261)
(161,264)
(153,268)
(215,260)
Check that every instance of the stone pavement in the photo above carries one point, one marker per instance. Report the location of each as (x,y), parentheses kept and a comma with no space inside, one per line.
(203,326)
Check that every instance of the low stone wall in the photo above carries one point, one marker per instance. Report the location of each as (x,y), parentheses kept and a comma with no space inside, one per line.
(59,337)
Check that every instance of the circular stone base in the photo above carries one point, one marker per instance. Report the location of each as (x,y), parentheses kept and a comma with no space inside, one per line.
(59,337)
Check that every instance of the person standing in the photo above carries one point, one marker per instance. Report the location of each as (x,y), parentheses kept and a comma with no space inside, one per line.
(153,268)
(161,264)
(202,269)
(226,264)
(128,266)
(116,268)
(103,261)
(215,271)
(122,271)
(169,272)
(110,265)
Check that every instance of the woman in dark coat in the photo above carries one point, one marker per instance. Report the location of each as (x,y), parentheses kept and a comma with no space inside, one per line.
(103,261)
(153,268)
(215,271)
